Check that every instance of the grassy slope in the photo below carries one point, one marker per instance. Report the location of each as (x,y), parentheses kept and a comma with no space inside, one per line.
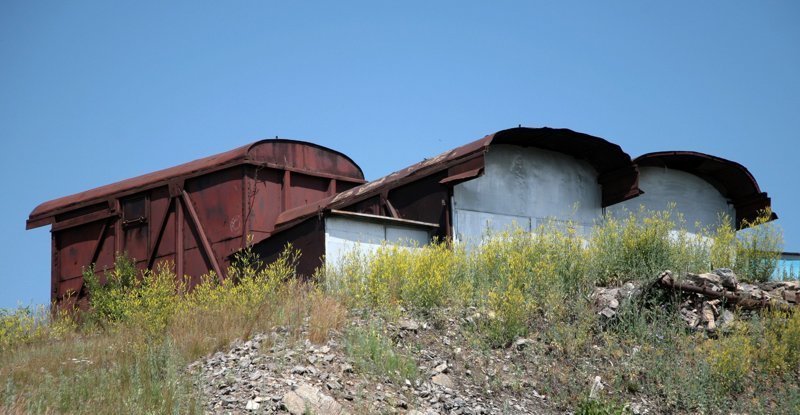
(129,355)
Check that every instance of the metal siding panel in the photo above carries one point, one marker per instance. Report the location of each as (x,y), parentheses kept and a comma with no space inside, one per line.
(698,201)
(159,202)
(217,199)
(135,241)
(406,236)
(76,246)
(471,226)
(344,235)
(194,265)
(265,199)
(531,185)
(107,256)
(72,285)
(306,189)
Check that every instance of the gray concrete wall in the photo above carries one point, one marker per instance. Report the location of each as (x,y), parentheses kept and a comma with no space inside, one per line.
(344,234)
(526,186)
(695,198)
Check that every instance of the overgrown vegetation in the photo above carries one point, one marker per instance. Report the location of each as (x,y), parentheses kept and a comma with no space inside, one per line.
(373,352)
(524,284)
(128,352)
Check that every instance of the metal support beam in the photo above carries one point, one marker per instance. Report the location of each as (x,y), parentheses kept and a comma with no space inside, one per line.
(202,234)
(99,244)
(390,208)
(332,187)
(117,229)
(285,193)
(82,220)
(151,256)
(54,267)
(179,237)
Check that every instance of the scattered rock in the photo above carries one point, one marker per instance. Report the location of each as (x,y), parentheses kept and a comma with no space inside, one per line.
(597,387)
(443,380)
(308,399)
(440,368)
(408,324)
(727,278)
(522,343)
(607,300)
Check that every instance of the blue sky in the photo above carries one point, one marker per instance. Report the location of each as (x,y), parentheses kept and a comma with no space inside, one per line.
(95,92)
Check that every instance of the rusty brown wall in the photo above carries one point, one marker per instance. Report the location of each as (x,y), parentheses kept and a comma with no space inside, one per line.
(229,204)
(308,237)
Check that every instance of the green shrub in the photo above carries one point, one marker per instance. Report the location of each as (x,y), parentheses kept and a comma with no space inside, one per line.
(597,407)
(132,295)
(372,352)
(636,247)
(752,253)
(758,249)
(25,325)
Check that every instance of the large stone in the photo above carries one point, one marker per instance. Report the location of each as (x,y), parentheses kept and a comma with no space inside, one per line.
(308,399)
(408,324)
(725,320)
(706,278)
(727,278)
(709,318)
(443,380)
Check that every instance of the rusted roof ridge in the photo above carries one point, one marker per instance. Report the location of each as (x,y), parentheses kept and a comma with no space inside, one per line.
(668,158)
(306,143)
(732,179)
(239,155)
(375,187)
(677,160)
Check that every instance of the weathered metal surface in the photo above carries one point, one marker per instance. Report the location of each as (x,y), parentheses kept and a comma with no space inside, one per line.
(346,231)
(617,175)
(424,191)
(195,215)
(297,156)
(308,237)
(731,179)
(694,198)
(526,187)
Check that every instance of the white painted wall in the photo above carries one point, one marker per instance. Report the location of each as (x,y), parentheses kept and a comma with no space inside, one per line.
(695,198)
(344,234)
(526,186)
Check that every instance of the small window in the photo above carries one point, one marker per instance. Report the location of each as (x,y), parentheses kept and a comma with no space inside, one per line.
(134,211)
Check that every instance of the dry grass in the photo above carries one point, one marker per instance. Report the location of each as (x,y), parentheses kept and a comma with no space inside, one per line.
(133,358)
(326,314)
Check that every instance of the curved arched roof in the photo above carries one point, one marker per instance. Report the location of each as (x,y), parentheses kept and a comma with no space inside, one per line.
(278,152)
(617,173)
(730,178)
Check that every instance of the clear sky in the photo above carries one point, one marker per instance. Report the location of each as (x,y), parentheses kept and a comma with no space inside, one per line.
(92,92)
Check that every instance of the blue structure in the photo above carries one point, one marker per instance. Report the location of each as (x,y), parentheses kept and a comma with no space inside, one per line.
(788,266)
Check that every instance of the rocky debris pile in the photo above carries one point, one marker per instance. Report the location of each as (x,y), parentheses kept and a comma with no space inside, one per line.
(607,300)
(723,285)
(708,297)
(264,375)
(271,373)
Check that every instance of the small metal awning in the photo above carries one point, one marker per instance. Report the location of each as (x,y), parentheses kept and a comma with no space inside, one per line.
(384,219)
